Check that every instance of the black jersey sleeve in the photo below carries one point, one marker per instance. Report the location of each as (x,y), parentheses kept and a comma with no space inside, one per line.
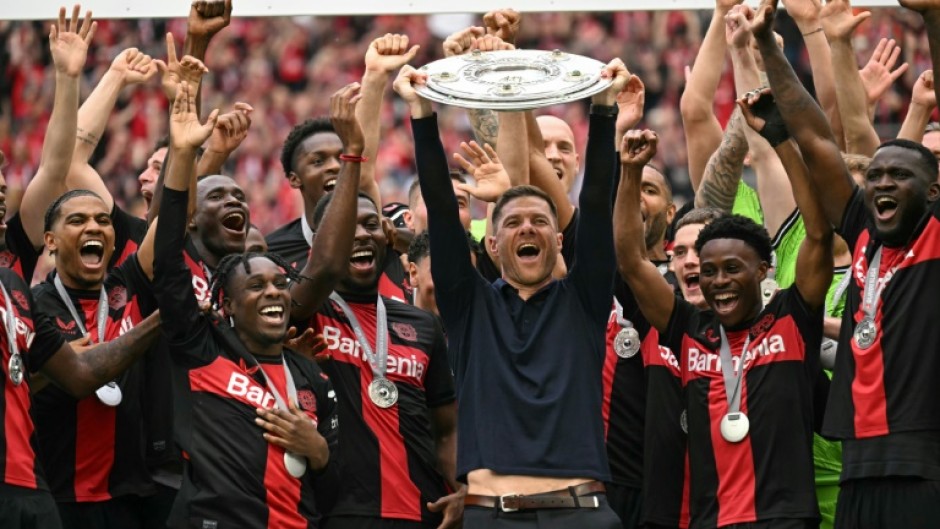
(129,275)
(631,308)
(439,384)
(679,325)
(569,239)
(48,339)
(594,264)
(182,322)
(854,219)
(22,249)
(129,232)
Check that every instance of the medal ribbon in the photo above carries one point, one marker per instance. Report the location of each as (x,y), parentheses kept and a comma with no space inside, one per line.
(102,309)
(623,322)
(732,382)
(10,323)
(379,358)
(872,293)
(291,387)
(840,291)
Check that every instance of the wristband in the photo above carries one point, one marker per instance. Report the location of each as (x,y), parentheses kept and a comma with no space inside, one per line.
(604,110)
(775,130)
(353,158)
(808,33)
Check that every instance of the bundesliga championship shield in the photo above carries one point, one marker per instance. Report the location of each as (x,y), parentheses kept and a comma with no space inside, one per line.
(512,79)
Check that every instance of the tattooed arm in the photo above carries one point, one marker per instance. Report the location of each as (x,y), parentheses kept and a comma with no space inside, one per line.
(485,125)
(723,173)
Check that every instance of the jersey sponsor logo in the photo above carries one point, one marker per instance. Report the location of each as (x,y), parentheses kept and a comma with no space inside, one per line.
(126,324)
(405,331)
(65,327)
(117,298)
(667,355)
(200,288)
(244,388)
(709,362)
(21,327)
(406,367)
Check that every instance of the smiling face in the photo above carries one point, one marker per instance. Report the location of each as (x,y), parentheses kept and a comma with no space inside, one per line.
(259,302)
(82,239)
(685,264)
(221,217)
(316,165)
(368,252)
(560,149)
(148,177)
(731,272)
(526,242)
(897,190)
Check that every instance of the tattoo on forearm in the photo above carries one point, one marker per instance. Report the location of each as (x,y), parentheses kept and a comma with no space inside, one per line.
(723,172)
(88,137)
(485,125)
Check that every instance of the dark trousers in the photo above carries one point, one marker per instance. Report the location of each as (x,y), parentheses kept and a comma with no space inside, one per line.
(366,522)
(888,503)
(126,512)
(777,523)
(27,509)
(602,517)
(627,503)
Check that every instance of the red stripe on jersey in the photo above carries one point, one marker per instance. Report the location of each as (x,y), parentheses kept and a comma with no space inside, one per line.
(400,496)
(610,367)
(390,289)
(684,516)
(229,380)
(200,281)
(734,462)
(282,490)
(130,248)
(780,341)
(17,428)
(94,449)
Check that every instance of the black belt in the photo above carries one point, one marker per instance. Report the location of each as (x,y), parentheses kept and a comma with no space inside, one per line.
(577,497)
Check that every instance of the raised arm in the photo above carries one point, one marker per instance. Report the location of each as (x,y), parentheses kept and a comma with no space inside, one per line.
(483,121)
(702,130)
(805,121)
(230,131)
(722,175)
(839,23)
(879,72)
(930,11)
(653,294)
(69,46)
(333,241)
(923,103)
(130,67)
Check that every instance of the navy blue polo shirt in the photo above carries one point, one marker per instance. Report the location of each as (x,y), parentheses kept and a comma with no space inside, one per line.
(528,372)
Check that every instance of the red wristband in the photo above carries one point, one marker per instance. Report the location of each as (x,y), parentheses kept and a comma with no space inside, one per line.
(353,158)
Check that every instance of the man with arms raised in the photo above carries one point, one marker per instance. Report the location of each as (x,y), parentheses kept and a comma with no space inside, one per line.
(528,349)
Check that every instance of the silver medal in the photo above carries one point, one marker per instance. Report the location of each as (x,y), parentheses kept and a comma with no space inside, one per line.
(295,464)
(16,369)
(627,342)
(827,353)
(684,422)
(865,333)
(109,394)
(734,427)
(768,287)
(383,392)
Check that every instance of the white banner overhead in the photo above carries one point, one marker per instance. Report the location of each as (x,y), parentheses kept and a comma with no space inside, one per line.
(46,9)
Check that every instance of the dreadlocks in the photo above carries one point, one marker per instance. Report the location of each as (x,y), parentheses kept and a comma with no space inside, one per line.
(223,272)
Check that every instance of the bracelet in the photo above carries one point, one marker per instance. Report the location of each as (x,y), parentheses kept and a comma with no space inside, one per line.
(353,158)
(604,110)
(817,30)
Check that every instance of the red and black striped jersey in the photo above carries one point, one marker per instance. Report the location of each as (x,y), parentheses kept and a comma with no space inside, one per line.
(92,451)
(37,340)
(233,477)
(883,400)
(289,242)
(769,474)
(389,463)
(19,254)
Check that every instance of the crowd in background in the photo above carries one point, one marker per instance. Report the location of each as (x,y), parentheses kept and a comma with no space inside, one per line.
(288,67)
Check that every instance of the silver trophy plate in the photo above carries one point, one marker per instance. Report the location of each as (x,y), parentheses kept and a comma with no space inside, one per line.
(512,79)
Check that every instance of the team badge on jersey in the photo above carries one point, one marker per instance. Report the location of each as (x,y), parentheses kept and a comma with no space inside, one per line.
(117,298)
(405,331)
(306,400)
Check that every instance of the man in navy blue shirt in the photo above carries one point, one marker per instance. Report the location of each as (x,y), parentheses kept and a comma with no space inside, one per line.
(527,350)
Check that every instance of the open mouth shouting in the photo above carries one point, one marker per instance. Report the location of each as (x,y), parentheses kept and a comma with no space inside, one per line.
(528,252)
(363,259)
(691,282)
(235,221)
(92,253)
(273,314)
(329,185)
(885,207)
(725,302)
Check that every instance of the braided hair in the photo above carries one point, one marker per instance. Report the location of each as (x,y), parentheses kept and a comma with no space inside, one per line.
(227,266)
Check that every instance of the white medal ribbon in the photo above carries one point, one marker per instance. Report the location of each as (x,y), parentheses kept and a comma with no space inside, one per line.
(827,353)
(295,464)
(734,425)
(110,393)
(382,391)
(866,331)
(15,367)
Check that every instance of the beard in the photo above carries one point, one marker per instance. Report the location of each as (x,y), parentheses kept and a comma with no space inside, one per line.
(655,229)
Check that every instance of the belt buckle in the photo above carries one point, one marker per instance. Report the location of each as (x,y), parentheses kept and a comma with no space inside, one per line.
(511,497)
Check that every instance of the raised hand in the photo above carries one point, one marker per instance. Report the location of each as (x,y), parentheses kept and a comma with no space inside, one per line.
(631,101)
(293,431)
(838,21)
(877,75)
(484,166)
(208,17)
(404,84)
(185,130)
(760,112)
(174,71)
(69,43)
(389,53)
(308,343)
(343,117)
(923,93)
(230,130)
(762,24)
(803,12)
(617,72)
(737,33)
(503,23)
(638,148)
(460,42)
(491,43)
(134,67)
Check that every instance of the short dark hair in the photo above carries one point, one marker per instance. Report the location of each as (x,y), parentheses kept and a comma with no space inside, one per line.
(55,209)
(162,143)
(705,215)
(519,192)
(737,227)
(224,272)
(325,200)
(927,158)
(297,135)
(415,188)
(420,247)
